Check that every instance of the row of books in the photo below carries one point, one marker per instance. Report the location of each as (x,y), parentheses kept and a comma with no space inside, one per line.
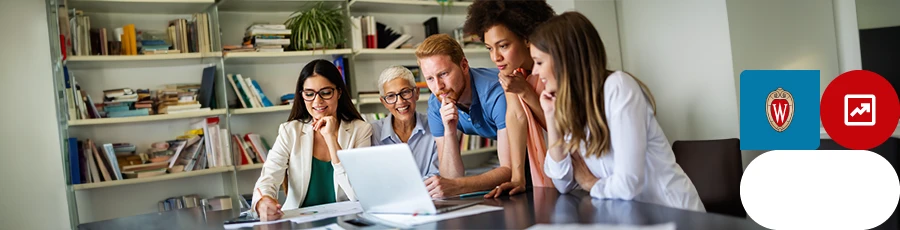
(79,38)
(128,102)
(367,33)
(202,146)
(173,203)
(251,149)
(89,163)
(248,92)
(474,142)
(263,38)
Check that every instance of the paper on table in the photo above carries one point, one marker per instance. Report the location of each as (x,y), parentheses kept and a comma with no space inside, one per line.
(408,221)
(324,211)
(665,226)
(308,214)
(328,227)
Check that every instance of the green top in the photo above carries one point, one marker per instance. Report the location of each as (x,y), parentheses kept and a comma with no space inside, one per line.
(321,184)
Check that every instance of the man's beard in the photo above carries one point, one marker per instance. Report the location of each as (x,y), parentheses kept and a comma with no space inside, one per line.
(451,94)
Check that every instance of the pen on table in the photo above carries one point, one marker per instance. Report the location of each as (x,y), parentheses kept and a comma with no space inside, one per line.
(473,194)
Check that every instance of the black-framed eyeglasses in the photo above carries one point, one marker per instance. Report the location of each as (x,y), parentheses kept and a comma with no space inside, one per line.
(324,93)
(405,93)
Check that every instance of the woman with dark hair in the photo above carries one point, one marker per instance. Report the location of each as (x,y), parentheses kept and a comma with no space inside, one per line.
(505,26)
(304,159)
(602,123)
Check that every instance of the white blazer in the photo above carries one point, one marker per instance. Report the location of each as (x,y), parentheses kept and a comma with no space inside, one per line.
(640,164)
(295,142)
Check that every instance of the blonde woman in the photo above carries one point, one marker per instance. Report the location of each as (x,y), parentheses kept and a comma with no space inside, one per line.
(601,124)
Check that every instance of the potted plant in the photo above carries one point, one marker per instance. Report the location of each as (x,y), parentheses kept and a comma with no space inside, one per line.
(316,27)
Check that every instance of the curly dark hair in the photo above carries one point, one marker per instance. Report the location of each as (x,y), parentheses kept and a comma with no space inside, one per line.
(519,16)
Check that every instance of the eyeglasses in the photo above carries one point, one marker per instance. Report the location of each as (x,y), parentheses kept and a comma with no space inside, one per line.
(324,93)
(406,94)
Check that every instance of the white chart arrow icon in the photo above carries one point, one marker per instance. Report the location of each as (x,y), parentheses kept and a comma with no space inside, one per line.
(863,108)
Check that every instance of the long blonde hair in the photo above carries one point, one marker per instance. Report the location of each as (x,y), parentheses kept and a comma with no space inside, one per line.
(579,61)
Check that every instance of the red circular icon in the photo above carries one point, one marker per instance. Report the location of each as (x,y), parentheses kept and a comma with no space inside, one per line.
(859,110)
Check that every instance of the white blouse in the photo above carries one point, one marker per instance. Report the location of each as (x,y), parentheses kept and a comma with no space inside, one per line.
(640,164)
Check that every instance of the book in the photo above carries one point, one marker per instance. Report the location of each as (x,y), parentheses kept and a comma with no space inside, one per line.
(111,155)
(92,166)
(245,87)
(237,92)
(74,165)
(431,27)
(399,41)
(102,162)
(207,83)
(356,34)
(262,96)
(256,143)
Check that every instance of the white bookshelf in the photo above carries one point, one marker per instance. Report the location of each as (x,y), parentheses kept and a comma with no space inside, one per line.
(152,57)
(270,109)
(281,57)
(170,176)
(260,6)
(141,6)
(249,167)
(276,74)
(408,6)
(406,53)
(160,117)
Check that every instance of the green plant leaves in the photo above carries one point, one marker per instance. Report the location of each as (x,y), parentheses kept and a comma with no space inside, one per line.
(316,27)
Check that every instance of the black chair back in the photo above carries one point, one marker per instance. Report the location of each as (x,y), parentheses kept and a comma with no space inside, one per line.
(715,167)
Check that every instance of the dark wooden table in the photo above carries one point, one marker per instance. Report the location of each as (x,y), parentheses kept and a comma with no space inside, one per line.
(519,212)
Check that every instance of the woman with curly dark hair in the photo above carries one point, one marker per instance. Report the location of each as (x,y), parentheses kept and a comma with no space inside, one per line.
(504,27)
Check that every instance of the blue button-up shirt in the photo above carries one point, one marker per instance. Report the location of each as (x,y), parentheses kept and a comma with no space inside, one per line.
(486,115)
(421,142)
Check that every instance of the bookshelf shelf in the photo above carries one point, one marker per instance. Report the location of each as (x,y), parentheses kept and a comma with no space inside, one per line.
(141,6)
(104,121)
(271,5)
(405,53)
(120,58)
(479,151)
(270,109)
(270,57)
(172,176)
(249,167)
(407,6)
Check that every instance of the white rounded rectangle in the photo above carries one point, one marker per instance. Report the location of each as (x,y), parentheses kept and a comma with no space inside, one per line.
(820,189)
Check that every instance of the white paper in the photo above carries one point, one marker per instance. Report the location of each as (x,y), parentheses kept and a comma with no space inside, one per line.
(309,214)
(665,226)
(404,221)
(328,227)
(323,211)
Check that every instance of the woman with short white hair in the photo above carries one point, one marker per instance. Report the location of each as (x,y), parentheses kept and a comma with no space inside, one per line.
(397,87)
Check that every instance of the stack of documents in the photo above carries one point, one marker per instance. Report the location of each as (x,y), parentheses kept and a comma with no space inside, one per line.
(309,214)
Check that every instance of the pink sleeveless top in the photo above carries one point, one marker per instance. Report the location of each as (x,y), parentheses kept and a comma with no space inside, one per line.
(536,144)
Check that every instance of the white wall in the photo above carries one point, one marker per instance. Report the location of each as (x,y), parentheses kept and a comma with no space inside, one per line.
(878,13)
(797,34)
(800,34)
(681,50)
(33,184)
(602,14)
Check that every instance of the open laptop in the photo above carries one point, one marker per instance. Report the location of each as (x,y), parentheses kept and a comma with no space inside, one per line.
(386,181)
